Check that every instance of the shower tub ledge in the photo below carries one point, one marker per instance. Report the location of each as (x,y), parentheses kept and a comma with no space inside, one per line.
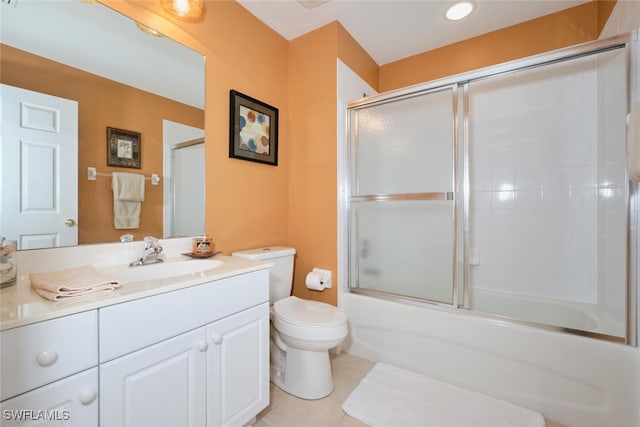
(573,315)
(568,378)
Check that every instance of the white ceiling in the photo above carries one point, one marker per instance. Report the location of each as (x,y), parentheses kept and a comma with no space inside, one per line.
(394,29)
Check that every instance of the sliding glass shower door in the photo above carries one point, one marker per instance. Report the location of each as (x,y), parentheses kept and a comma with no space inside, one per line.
(401,206)
(503,191)
(548,215)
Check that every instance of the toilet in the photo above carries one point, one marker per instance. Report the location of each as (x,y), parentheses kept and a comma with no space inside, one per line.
(302,331)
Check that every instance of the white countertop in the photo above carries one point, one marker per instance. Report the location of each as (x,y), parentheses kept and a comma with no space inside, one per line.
(20,305)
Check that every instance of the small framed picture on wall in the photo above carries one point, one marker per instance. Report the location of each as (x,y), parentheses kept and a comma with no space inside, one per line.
(123,148)
(253,130)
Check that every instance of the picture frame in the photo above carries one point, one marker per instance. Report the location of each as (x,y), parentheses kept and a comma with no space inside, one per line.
(253,129)
(123,148)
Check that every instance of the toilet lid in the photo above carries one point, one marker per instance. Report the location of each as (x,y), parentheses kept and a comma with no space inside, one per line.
(302,312)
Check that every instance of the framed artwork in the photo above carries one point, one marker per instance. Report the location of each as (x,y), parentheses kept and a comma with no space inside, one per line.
(253,130)
(123,148)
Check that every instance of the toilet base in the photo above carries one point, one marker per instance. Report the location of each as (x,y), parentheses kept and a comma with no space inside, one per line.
(306,374)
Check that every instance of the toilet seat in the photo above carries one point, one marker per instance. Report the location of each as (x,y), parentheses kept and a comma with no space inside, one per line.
(312,321)
(300,312)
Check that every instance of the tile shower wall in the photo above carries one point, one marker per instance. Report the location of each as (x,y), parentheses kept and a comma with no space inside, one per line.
(625,17)
(547,182)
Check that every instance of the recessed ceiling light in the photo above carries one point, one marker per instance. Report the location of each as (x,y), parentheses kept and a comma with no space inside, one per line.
(459,10)
(310,4)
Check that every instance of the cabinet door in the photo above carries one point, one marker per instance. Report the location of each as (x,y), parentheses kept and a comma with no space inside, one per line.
(67,402)
(160,385)
(238,367)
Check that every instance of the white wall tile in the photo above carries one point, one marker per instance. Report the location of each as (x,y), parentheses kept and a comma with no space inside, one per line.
(538,156)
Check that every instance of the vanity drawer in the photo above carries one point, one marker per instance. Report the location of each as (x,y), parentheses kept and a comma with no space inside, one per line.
(133,325)
(37,354)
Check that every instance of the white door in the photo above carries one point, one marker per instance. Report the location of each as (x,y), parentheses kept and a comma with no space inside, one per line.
(71,401)
(39,154)
(188,190)
(160,385)
(238,367)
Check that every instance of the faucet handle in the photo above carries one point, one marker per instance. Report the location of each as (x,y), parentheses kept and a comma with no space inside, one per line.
(151,242)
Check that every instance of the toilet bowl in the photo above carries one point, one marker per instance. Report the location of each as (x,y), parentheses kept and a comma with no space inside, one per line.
(302,331)
(305,331)
(309,325)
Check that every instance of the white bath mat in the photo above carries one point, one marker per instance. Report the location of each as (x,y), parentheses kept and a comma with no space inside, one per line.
(394,397)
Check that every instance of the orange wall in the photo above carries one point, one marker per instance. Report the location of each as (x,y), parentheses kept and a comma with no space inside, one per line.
(565,28)
(356,58)
(313,176)
(246,202)
(312,183)
(102,103)
(249,204)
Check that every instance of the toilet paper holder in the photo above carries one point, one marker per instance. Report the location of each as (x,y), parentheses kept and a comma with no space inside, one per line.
(318,279)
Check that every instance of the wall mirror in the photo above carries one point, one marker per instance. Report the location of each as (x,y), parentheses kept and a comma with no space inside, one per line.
(116,74)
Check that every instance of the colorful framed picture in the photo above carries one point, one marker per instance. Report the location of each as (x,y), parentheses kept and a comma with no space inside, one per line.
(253,130)
(123,148)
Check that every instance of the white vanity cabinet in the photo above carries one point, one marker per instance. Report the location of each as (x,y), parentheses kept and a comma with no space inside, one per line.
(192,357)
(161,385)
(46,372)
(70,402)
(238,367)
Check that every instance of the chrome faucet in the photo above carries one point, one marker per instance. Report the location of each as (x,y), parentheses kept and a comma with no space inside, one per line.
(152,249)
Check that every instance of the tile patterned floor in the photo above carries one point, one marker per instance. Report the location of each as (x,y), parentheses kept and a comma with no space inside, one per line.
(289,411)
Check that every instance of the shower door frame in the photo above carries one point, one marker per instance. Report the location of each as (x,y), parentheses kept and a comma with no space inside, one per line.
(421,196)
(629,43)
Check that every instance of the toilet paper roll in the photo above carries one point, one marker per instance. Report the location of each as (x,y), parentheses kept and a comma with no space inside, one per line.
(314,281)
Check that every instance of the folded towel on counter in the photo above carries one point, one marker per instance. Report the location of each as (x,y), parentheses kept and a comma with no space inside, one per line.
(72,283)
(128,194)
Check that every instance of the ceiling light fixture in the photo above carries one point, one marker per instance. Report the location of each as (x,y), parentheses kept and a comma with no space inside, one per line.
(459,10)
(310,4)
(188,10)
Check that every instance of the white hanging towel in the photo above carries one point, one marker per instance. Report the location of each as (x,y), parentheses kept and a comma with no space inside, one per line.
(128,194)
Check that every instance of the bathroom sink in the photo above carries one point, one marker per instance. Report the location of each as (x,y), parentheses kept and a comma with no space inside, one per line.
(163,270)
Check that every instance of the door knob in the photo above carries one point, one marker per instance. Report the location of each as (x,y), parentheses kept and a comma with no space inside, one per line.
(69,222)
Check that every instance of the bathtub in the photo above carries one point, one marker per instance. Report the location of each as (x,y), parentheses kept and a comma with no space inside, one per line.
(546,311)
(571,379)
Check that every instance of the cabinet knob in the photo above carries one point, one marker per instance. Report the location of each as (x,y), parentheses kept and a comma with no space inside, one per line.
(88,396)
(47,358)
(202,346)
(217,339)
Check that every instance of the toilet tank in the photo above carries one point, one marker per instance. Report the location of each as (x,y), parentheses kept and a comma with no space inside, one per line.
(281,274)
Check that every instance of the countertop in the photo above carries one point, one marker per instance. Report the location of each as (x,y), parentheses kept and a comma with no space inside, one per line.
(20,305)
